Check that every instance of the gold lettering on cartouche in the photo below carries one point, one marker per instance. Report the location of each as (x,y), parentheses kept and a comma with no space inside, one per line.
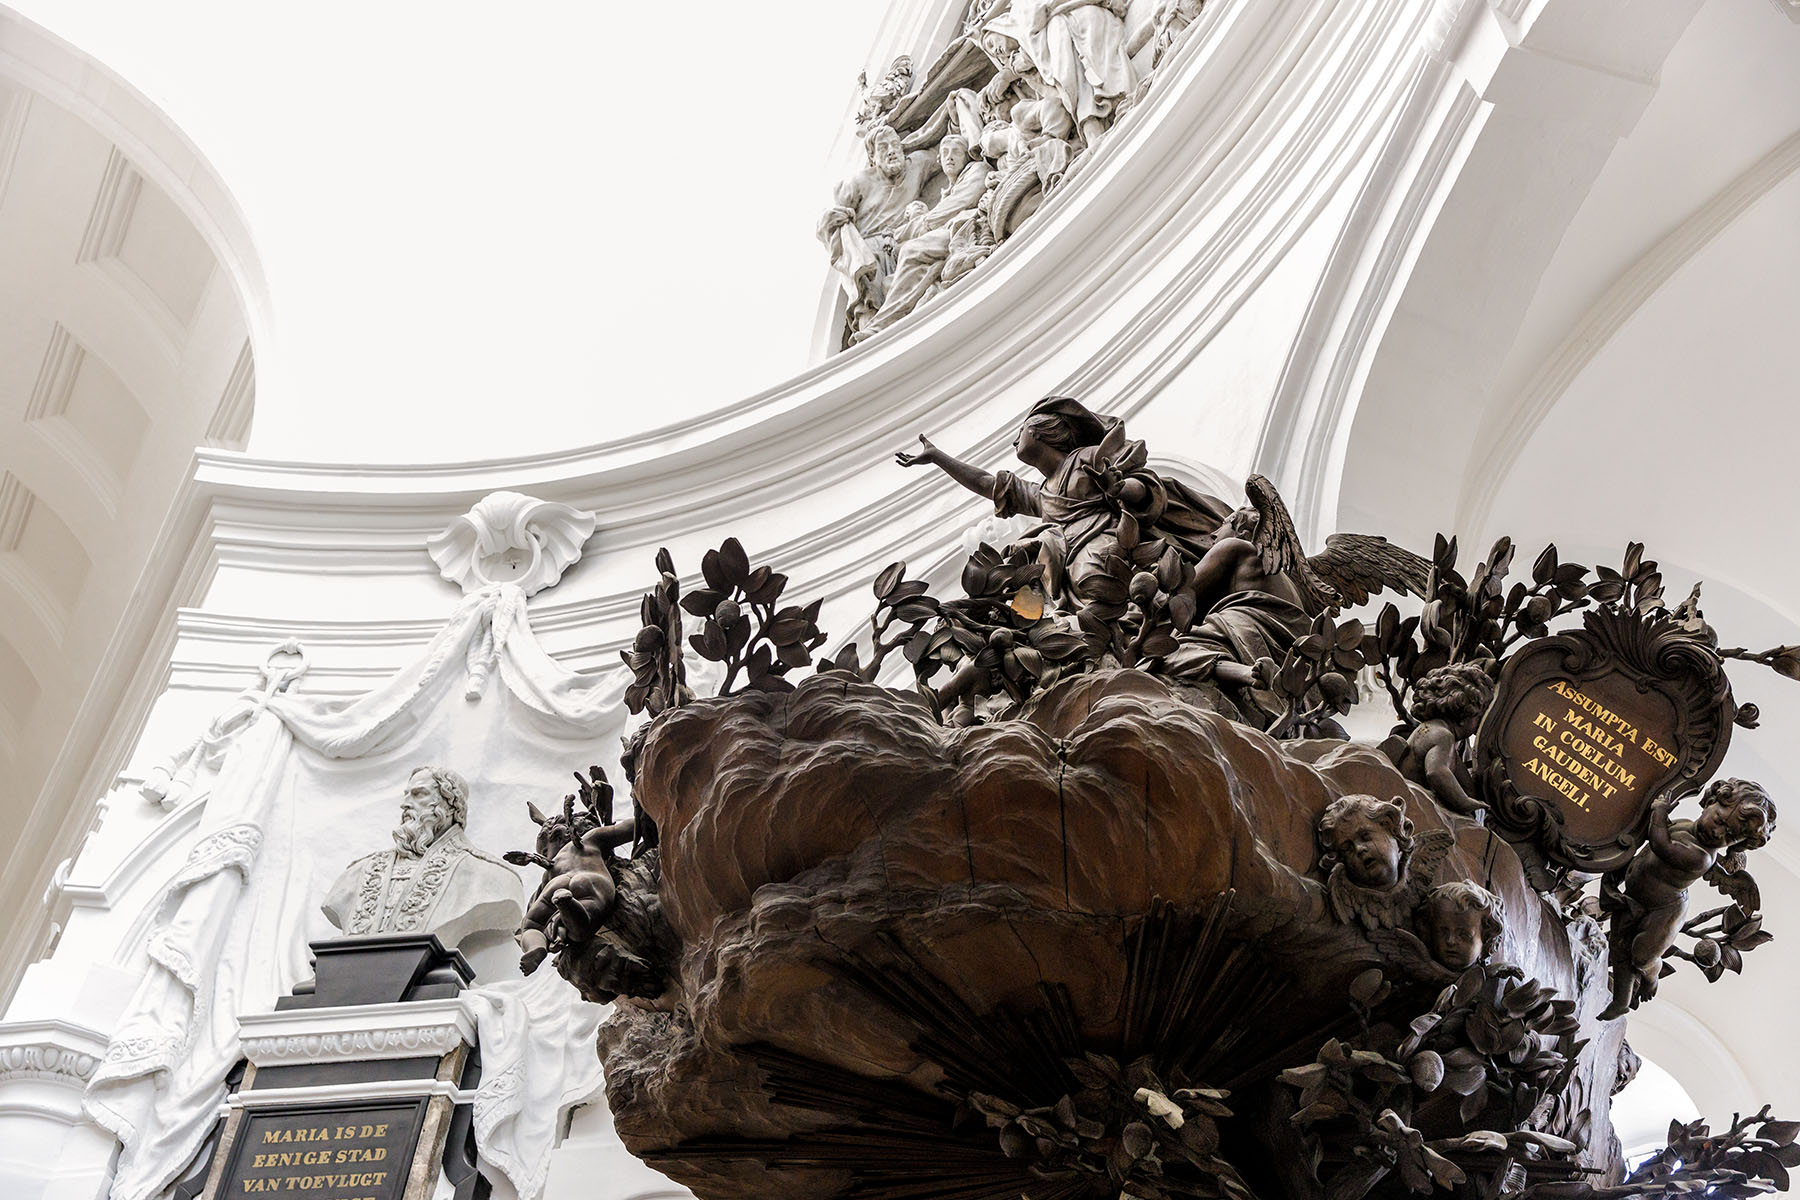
(1584,749)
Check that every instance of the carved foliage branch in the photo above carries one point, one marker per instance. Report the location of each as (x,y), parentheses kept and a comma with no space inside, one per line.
(1493,1049)
(1477,619)
(741,627)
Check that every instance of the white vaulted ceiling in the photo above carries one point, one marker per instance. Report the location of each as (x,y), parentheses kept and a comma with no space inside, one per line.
(122,348)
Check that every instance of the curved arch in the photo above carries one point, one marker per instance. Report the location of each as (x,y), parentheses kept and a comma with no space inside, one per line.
(1509,426)
(41,62)
(1694,1054)
(1386,397)
(134,271)
(1195,473)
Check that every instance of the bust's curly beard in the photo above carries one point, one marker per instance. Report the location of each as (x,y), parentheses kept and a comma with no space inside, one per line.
(414,837)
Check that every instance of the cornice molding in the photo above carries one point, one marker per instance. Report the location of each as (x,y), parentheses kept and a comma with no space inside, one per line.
(411,1029)
(49,1050)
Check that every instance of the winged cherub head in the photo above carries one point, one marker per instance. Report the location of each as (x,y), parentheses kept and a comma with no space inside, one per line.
(1242,523)
(1368,838)
(1463,922)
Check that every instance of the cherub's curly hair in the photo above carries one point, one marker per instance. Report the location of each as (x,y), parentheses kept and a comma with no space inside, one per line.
(1454,693)
(1383,812)
(1738,792)
(1464,896)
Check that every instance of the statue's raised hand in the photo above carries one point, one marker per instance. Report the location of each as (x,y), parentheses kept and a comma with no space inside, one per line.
(929,456)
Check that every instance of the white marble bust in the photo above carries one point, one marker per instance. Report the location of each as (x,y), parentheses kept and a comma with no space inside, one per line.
(434,880)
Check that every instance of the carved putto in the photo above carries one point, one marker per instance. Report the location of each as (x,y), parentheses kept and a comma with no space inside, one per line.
(1448,703)
(1646,900)
(592,900)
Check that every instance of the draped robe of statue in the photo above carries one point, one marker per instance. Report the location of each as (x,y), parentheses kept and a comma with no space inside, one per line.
(1085,519)
(453,889)
(1242,627)
(1080,54)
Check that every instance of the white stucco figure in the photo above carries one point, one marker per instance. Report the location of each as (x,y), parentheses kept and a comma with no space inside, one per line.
(925,238)
(866,210)
(1078,48)
(1163,31)
(434,880)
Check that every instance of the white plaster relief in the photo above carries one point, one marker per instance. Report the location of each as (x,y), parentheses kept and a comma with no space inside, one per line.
(411,1042)
(511,538)
(44,1060)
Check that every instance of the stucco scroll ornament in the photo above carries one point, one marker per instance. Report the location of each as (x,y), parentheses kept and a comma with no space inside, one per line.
(511,538)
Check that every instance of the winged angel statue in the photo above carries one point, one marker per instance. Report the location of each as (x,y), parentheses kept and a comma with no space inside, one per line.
(1120,543)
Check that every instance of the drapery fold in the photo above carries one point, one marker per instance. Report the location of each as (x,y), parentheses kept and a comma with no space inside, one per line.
(298,783)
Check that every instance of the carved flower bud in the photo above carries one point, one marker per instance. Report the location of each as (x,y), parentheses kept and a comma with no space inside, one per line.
(727,612)
(1706,954)
(1427,1068)
(1143,588)
(649,638)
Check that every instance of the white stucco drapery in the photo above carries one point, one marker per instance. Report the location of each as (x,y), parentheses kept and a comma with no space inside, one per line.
(301,787)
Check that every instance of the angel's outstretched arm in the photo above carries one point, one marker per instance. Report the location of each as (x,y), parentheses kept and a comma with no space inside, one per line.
(605,837)
(968,475)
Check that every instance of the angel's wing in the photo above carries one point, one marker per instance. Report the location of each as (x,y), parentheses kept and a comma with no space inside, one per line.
(1737,885)
(1279,545)
(1427,863)
(1357,565)
(1403,951)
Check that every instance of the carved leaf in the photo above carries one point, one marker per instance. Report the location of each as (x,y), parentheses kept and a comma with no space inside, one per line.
(768,590)
(734,562)
(889,579)
(714,573)
(1365,987)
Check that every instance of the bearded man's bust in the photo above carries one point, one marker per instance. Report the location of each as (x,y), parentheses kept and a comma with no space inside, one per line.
(434,880)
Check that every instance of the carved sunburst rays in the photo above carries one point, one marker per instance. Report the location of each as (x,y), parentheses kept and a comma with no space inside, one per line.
(1030,1105)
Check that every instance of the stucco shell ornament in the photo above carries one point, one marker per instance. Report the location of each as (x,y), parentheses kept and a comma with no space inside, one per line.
(511,538)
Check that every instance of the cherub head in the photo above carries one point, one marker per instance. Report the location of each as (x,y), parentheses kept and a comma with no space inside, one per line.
(1457,695)
(1055,427)
(1462,923)
(1736,813)
(1241,523)
(1370,837)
